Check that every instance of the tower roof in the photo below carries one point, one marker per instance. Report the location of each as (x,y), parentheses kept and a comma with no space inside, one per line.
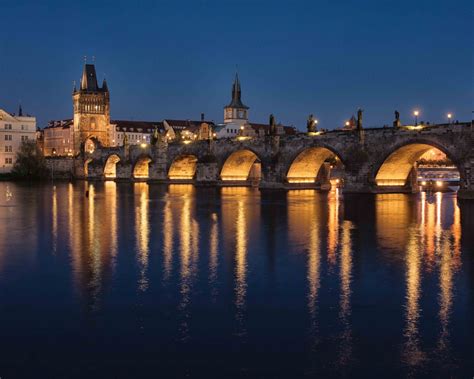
(89,79)
(236,101)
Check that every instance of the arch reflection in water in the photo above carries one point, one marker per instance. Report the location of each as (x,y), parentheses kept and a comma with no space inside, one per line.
(181,202)
(142,232)
(238,211)
(93,243)
(433,235)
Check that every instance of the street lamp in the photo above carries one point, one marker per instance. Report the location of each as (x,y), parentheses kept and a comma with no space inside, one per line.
(450,116)
(347,123)
(416,113)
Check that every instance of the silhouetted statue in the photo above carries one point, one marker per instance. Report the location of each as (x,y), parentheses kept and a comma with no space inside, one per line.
(396,123)
(272,125)
(359,119)
(311,124)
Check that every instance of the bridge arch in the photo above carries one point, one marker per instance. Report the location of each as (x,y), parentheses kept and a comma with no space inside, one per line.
(395,167)
(240,166)
(141,168)
(110,167)
(183,167)
(306,164)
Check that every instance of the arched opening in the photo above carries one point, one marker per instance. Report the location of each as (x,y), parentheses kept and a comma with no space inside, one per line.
(110,168)
(86,167)
(418,164)
(89,145)
(141,169)
(183,168)
(241,166)
(316,165)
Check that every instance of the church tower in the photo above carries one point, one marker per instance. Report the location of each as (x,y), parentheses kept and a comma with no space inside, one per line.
(91,110)
(236,112)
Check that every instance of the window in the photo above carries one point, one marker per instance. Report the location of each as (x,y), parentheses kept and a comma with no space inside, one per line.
(8,137)
(8,126)
(8,160)
(24,127)
(8,149)
(24,138)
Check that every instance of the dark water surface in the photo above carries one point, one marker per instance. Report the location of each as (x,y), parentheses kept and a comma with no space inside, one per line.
(153,281)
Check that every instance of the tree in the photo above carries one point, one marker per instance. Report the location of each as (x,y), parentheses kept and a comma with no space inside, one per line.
(30,161)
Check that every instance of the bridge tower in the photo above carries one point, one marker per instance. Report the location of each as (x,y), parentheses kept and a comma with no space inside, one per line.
(91,109)
(236,112)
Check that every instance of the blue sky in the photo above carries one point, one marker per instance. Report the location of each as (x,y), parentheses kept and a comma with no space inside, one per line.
(176,59)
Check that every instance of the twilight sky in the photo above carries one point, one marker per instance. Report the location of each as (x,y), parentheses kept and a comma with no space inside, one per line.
(176,59)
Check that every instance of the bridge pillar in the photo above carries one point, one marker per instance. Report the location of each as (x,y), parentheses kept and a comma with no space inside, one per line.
(207,173)
(158,168)
(324,176)
(123,171)
(466,188)
(271,178)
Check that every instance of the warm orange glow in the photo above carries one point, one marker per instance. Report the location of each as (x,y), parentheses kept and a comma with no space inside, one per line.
(141,169)
(305,167)
(238,165)
(110,169)
(183,168)
(396,168)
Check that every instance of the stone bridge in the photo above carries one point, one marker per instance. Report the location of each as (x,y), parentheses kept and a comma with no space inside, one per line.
(371,160)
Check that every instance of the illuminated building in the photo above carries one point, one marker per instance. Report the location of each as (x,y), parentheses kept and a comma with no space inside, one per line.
(13,131)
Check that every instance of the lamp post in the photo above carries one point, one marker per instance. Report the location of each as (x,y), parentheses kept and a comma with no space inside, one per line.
(450,116)
(416,113)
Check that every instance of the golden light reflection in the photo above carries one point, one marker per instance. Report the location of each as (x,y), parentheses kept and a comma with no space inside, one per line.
(55,220)
(436,250)
(213,254)
(333,224)
(189,244)
(240,264)
(142,232)
(345,274)
(412,352)
(168,229)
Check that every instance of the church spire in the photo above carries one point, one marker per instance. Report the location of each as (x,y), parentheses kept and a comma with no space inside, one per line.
(236,101)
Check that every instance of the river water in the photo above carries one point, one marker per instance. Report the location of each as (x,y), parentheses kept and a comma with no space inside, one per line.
(150,281)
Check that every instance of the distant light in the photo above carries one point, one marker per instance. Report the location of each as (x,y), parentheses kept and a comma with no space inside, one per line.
(450,115)
(143,145)
(347,123)
(439,183)
(315,121)
(416,113)
(423,183)
(241,128)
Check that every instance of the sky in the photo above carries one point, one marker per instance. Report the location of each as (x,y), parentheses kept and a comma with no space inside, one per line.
(176,59)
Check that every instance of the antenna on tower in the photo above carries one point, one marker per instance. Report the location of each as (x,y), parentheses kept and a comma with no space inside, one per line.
(85,59)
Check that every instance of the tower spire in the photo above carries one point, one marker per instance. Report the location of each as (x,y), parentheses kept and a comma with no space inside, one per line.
(20,110)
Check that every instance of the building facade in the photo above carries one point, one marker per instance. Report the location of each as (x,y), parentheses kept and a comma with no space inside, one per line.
(13,131)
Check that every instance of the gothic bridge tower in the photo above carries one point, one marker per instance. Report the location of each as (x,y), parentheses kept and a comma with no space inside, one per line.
(91,110)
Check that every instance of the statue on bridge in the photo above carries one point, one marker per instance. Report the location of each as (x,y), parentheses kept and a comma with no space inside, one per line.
(397,123)
(311,124)
(155,137)
(359,119)
(272,123)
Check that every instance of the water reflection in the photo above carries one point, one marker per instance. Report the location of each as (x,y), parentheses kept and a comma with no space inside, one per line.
(345,299)
(142,232)
(337,263)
